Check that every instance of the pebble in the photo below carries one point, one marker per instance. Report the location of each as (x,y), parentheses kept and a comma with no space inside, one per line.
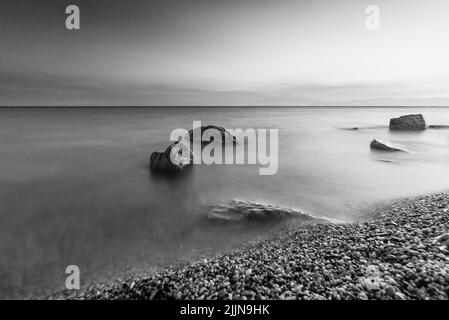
(393,254)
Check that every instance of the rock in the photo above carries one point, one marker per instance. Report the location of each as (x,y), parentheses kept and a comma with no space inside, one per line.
(400,296)
(173,161)
(384,146)
(362,296)
(387,161)
(390,291)
(333,282)
(310,261)
(239,211)
(408,122)
(225,135)
(444,241)
(202,291)
(161,162)
(248,293)
(438,126)
(371,284)
(443,238)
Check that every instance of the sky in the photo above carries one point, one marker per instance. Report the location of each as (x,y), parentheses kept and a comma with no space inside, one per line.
(224,52)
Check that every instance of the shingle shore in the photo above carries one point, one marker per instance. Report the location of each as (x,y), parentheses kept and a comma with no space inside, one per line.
(400,253)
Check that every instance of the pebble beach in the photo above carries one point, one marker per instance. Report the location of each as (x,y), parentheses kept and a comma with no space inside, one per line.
(400,251)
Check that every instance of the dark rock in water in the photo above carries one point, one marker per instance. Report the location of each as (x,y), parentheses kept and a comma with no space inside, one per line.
(439,126)
(162,161)
(246,211)
(225,135)
(351,129)
(172,160)
(408,122)
(384,146)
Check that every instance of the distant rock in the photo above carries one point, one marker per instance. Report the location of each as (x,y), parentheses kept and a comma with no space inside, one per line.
(439,126)
(408,122)
(384,146)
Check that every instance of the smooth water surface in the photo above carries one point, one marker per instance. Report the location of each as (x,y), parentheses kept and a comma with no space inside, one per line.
(75,186)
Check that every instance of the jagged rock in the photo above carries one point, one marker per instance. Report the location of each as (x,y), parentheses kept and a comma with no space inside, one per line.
(161,162)
(384,146)
(225,135)
(240,211)
(408,122)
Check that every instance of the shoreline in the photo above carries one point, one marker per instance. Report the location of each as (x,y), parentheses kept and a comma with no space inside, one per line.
(400,252)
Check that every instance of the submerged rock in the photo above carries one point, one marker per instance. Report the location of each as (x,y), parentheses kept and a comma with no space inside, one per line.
(387,161)
(247,211)
(384,146)
(408,122)
(393,253)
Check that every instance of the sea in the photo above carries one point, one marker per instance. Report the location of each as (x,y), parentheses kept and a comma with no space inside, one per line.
(75,185)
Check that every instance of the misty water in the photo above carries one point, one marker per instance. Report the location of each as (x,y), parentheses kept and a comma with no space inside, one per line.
(75,186)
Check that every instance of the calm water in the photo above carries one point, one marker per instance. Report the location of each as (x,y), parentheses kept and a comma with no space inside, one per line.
(75,187)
